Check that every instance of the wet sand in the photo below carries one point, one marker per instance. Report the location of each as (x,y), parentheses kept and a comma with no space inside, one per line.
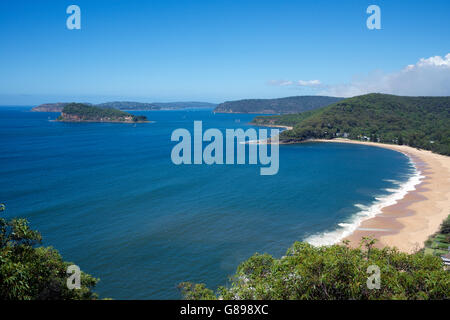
(408,223)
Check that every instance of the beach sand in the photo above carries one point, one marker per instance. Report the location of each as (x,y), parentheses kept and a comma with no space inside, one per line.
(408,223)
(272,126)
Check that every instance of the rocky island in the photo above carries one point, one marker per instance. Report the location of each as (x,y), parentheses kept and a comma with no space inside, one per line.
(79,112)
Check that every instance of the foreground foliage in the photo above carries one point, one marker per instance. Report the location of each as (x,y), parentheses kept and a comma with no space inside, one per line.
(335,272)
(421,122)
(29,272)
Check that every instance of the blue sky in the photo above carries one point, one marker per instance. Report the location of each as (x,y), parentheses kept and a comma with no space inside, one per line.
(218,50)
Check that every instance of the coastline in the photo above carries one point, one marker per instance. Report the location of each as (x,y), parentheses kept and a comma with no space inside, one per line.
(266,141)
(406,223)
(271,126)
(99,121)
(234,112)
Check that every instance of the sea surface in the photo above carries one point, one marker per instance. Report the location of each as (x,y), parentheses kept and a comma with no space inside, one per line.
(109,198)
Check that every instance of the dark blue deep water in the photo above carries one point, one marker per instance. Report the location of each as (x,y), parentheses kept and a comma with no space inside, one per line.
(108,197)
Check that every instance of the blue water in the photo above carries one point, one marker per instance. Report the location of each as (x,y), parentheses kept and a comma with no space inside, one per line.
(108,197)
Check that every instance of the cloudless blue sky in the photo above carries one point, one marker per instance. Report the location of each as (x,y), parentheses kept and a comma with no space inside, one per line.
(205,50)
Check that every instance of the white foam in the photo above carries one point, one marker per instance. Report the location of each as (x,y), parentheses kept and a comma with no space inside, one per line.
(393,181)
(361,206)
(367,212)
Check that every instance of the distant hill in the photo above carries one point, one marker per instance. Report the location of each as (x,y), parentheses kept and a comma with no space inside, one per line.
(421,122)
(128,105)
(78,112)
(274,106)
(184,105)
(50,107)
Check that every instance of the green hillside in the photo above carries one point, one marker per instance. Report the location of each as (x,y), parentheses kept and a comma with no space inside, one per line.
(421,122)
(282,105)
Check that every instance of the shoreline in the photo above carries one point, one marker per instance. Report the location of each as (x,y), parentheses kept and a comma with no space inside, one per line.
(234,112)
(411,219)
(98,121)
(266,141)
(271,126)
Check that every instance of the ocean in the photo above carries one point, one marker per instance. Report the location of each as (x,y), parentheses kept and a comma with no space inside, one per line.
(109,198)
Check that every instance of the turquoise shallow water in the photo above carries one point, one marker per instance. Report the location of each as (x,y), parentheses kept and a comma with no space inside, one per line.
(108,197)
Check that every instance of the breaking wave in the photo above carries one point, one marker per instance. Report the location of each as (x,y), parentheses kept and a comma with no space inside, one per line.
(367,212)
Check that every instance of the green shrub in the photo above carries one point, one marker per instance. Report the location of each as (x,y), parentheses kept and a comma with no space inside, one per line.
(439,237)
(30,272)
(443,245)
(445,227)
(332,273)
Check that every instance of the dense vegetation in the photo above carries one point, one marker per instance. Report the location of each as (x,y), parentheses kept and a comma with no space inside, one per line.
(332,273)
(31,272)
(290,120)
(83,112)
(282,105)
(439,243)
(421,122)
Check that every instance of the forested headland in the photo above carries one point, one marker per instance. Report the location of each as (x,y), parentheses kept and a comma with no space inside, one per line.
(419,122)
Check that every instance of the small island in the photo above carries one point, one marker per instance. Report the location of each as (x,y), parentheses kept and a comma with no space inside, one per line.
(79,112)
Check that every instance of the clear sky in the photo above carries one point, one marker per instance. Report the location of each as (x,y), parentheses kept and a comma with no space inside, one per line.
(219,50)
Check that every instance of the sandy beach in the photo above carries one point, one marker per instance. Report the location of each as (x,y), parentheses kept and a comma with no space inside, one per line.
(408,223)
(271,126)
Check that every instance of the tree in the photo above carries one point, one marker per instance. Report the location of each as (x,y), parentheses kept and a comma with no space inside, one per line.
(445,226)
(336,272)
(29,272)
(139,118)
